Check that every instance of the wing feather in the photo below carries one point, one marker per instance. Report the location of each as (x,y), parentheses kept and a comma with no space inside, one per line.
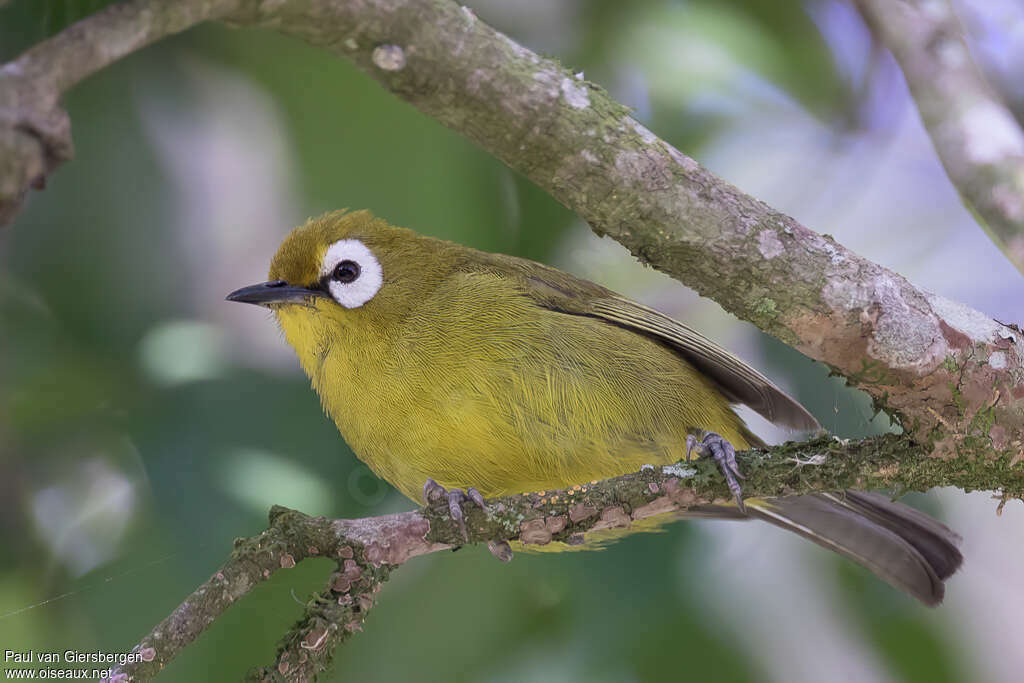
(737,381)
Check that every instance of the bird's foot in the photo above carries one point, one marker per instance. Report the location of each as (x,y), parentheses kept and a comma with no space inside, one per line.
(722,452)
(456,498)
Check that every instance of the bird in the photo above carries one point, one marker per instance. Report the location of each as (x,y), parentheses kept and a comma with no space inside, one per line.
(457,372)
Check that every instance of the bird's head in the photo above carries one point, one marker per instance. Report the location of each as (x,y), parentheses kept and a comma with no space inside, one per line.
(346,273)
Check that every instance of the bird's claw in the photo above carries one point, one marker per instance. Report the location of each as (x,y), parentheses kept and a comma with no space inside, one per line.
(433,492)
(475,496)
(723,453)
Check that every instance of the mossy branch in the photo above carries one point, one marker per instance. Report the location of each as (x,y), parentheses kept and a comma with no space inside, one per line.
(943,368)
(368,550)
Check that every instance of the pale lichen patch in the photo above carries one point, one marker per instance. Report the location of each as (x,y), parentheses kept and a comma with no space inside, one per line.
(768,244)
(952,53)
(901,335)
(688,164)
(978,327)
(678,470)
(904,337)
(575,94)
(548,81)
(389,57)
(645,134)
(845,294)
(997,360)
(834,255)
(519,50)
(991,134)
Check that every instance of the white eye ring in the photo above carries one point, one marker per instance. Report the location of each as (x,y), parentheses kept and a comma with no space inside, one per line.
(369,276)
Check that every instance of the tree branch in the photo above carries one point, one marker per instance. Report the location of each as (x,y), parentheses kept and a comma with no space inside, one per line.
(952,374)
(367,550)
(35,133)
(920,356)
(975,135)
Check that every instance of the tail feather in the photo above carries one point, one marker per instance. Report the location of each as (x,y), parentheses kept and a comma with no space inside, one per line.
(933,539)
(900,545)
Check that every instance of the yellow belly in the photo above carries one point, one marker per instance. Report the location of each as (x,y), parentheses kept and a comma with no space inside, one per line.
(508,397)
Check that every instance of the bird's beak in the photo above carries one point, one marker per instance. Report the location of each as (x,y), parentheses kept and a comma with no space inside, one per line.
(273,292)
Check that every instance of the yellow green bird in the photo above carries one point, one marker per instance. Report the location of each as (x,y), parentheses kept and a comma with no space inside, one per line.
(444,366)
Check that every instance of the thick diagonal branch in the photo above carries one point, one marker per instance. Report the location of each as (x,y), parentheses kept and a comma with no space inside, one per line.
(976,137)
(954,375)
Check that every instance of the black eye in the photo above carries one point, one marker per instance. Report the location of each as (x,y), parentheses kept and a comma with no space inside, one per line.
(346,271)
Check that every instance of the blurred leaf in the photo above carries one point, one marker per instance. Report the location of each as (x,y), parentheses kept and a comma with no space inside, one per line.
(903,632)
(801,62)
(690,54)
(260,480)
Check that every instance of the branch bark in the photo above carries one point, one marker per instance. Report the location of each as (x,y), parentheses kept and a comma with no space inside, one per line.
(368,550)
(953,375)
(975,135)
(35,133)
(920,356)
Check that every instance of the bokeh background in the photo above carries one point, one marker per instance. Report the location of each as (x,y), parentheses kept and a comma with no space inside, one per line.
(145,422)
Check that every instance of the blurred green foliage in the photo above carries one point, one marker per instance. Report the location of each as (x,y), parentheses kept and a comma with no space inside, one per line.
(24,23)
(100,261)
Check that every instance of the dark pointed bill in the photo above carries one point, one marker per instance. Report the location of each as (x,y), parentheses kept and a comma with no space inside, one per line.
(273,292)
